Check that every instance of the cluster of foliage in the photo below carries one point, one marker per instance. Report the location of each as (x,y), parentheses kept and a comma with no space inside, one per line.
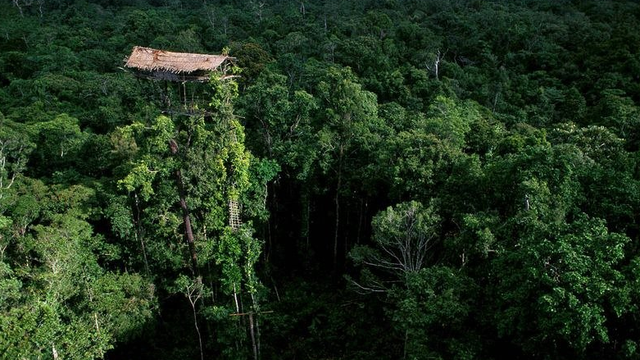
(417,179)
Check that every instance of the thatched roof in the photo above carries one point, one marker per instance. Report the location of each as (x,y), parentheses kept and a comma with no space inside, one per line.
(153,60)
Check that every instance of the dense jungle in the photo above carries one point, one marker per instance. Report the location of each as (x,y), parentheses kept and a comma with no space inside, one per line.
(371,179)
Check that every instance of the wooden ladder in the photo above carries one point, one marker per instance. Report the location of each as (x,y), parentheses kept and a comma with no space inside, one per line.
(234,209)
(234,215)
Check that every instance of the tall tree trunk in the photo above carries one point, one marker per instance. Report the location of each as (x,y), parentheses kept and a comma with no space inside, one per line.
(193,294)
(257,327)
(16,3)
(253,337)
(188,231)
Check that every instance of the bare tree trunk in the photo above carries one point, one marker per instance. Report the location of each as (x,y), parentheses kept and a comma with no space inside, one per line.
(435,67)
(188,231)
(257,326)
(253,337)
(16,3)
(193,294)
(195,323)
(225,24)
(184,94)
(187,223)
(3,168)
(406,340)
(211,16)
(235,299)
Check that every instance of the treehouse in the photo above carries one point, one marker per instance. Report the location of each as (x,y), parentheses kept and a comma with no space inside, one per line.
(172,71)
(182,68)
(174,66)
